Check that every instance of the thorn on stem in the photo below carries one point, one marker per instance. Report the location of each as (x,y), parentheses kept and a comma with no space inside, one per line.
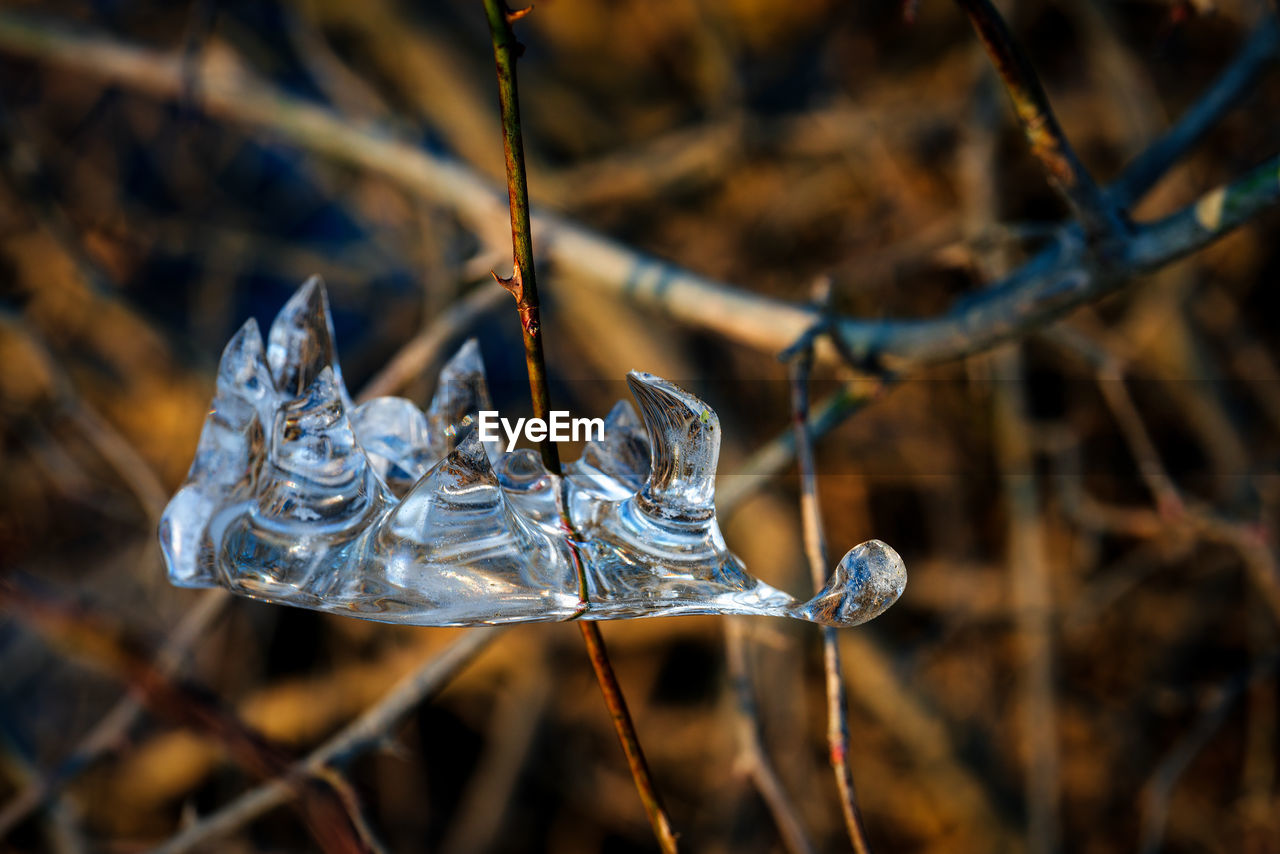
(514,284)
(514,15)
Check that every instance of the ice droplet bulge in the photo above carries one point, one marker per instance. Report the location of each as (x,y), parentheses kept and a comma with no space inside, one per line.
(386,512)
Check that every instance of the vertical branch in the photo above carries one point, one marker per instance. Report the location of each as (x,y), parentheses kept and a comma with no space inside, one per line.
(523,283)
(1048,143)
(815,547)
(1228,89)
(1029,572)
(751,746)
(617,704)
(523,286)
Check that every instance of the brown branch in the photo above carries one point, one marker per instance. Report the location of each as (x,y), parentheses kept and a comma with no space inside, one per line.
(329,810)
(1160,785)
(523,286)
(1032,599)
(751,748)
(1056,280)
(369,730)
(1230,87)
(815,547)
(110,731)
(1109,375)
(1048,143)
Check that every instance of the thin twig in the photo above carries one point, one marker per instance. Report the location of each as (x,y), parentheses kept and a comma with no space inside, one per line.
(108,733)
(751,746)
(369,730)
(1048,143)
(523,286)
(1055,280)
(518,715)
(1109,374)
(775,456)
(1160,785)
(815,548)
(424,348)
(331,811)
(1230,87)
(1030,583)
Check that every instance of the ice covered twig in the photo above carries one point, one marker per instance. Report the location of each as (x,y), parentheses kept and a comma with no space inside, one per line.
(387,513)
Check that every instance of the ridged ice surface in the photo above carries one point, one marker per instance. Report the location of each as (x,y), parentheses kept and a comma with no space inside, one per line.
(386,512)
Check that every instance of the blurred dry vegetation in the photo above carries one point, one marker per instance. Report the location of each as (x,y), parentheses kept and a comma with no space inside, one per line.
(1085,657)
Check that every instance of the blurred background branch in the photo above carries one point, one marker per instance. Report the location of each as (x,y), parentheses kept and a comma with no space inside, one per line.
(1085,656)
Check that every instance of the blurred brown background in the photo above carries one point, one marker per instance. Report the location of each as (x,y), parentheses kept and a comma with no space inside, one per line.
(1085,657)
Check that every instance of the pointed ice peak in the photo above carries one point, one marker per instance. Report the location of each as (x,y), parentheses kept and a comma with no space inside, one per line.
(868,579)
(461,483)
(623,452)
(521,470)
(226,468)
(623,416)
(394,435)
(460,395)
(312,436)
(243,361)
(245,385)
(301,344)
(469,456)
(684,446)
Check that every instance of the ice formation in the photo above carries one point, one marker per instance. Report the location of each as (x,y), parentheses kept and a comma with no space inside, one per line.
(382,511)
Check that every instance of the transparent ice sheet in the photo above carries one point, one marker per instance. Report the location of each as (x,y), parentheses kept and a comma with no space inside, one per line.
(384,512)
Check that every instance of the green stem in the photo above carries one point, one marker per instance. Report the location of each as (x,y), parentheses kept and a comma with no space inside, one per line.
(523,286)
(523,283)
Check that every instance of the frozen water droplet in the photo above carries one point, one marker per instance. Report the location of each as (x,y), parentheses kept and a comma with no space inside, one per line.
(300,344)
(868,579)
(684,441)
(460,395)
(228,453)
(394,435)
(454,549)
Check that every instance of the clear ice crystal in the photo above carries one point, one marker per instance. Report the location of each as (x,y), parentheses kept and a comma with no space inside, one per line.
(461,393)
(229,454)
(455,552)
(616,464)
(301,343)
(395,438)
(388,513)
